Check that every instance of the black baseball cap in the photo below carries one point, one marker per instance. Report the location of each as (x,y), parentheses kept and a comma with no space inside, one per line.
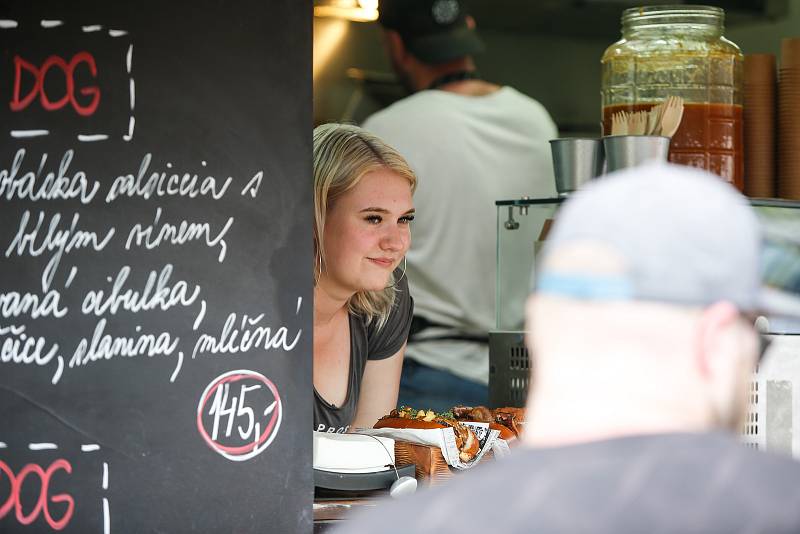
(435,31)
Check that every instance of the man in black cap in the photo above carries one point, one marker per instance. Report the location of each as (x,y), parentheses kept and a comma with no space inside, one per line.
(431,43)
(471,142)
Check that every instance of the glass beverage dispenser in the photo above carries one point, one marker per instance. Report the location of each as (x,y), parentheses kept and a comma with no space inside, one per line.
(680,51)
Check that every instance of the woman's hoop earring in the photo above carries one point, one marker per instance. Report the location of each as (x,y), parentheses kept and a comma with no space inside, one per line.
(405,266)
(319,272)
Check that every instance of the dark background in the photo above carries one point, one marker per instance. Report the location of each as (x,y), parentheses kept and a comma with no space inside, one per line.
(220,82)
(547,49)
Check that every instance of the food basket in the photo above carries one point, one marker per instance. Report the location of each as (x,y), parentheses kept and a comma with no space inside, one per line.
(431,465)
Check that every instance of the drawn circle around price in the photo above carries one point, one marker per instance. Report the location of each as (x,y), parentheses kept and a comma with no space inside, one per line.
(244,452)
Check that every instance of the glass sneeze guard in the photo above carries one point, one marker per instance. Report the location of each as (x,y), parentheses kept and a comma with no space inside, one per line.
(520,223)
(519,227)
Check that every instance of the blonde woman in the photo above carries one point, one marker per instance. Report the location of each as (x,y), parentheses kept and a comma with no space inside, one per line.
(362,309)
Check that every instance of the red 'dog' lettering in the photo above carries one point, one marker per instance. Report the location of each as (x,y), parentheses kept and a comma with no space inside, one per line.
(84,57)
(42,503)
(19,64)
(53,61)
(17,487)
(11,500)
(61,497)
(38,87)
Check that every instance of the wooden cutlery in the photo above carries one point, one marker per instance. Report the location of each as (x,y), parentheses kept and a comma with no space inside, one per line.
(662,119)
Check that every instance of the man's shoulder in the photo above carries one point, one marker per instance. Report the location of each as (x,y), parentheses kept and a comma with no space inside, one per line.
(421,104)
(708,451)
(647,480)
(442,110)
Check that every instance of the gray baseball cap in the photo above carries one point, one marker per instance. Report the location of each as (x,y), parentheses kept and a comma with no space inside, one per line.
(685,237)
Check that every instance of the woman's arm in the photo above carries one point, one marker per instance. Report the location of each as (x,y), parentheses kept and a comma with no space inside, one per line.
(379,389)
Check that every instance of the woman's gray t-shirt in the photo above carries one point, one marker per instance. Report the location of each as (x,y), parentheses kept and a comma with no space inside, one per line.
(367,342)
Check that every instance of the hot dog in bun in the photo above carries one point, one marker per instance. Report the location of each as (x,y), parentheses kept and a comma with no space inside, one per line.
(507,420)
(405,417)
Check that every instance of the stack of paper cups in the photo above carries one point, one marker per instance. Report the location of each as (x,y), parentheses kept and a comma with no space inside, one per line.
(759,125)
(789,120)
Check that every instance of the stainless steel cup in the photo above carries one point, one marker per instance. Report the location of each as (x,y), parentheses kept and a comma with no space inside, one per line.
(623,151)
(575,162)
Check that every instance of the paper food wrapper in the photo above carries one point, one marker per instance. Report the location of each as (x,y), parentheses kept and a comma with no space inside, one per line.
(445,439)
(500,449)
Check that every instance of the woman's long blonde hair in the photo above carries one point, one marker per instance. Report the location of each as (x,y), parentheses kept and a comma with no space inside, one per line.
(342,155)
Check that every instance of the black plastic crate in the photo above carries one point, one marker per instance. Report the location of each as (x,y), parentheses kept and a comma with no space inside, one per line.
(509,369)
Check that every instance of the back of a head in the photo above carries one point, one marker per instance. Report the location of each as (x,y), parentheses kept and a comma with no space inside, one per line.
(683,236)
(671,238)
(434,31)
(623,286)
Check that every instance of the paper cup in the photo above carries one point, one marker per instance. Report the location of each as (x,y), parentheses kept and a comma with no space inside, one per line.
(790,52)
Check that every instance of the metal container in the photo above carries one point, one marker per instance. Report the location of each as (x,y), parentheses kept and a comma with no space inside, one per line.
(624,151)
(575,162)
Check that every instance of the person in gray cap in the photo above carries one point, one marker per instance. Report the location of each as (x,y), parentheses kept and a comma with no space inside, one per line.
(471,142)
(641,328)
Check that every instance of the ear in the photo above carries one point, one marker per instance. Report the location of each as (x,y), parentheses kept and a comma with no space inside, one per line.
(726,354)
(713,340)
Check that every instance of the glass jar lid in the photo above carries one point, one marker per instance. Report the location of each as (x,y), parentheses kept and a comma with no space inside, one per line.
(655,17)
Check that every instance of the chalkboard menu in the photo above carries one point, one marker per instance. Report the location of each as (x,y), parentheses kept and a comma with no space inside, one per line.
(155,278)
